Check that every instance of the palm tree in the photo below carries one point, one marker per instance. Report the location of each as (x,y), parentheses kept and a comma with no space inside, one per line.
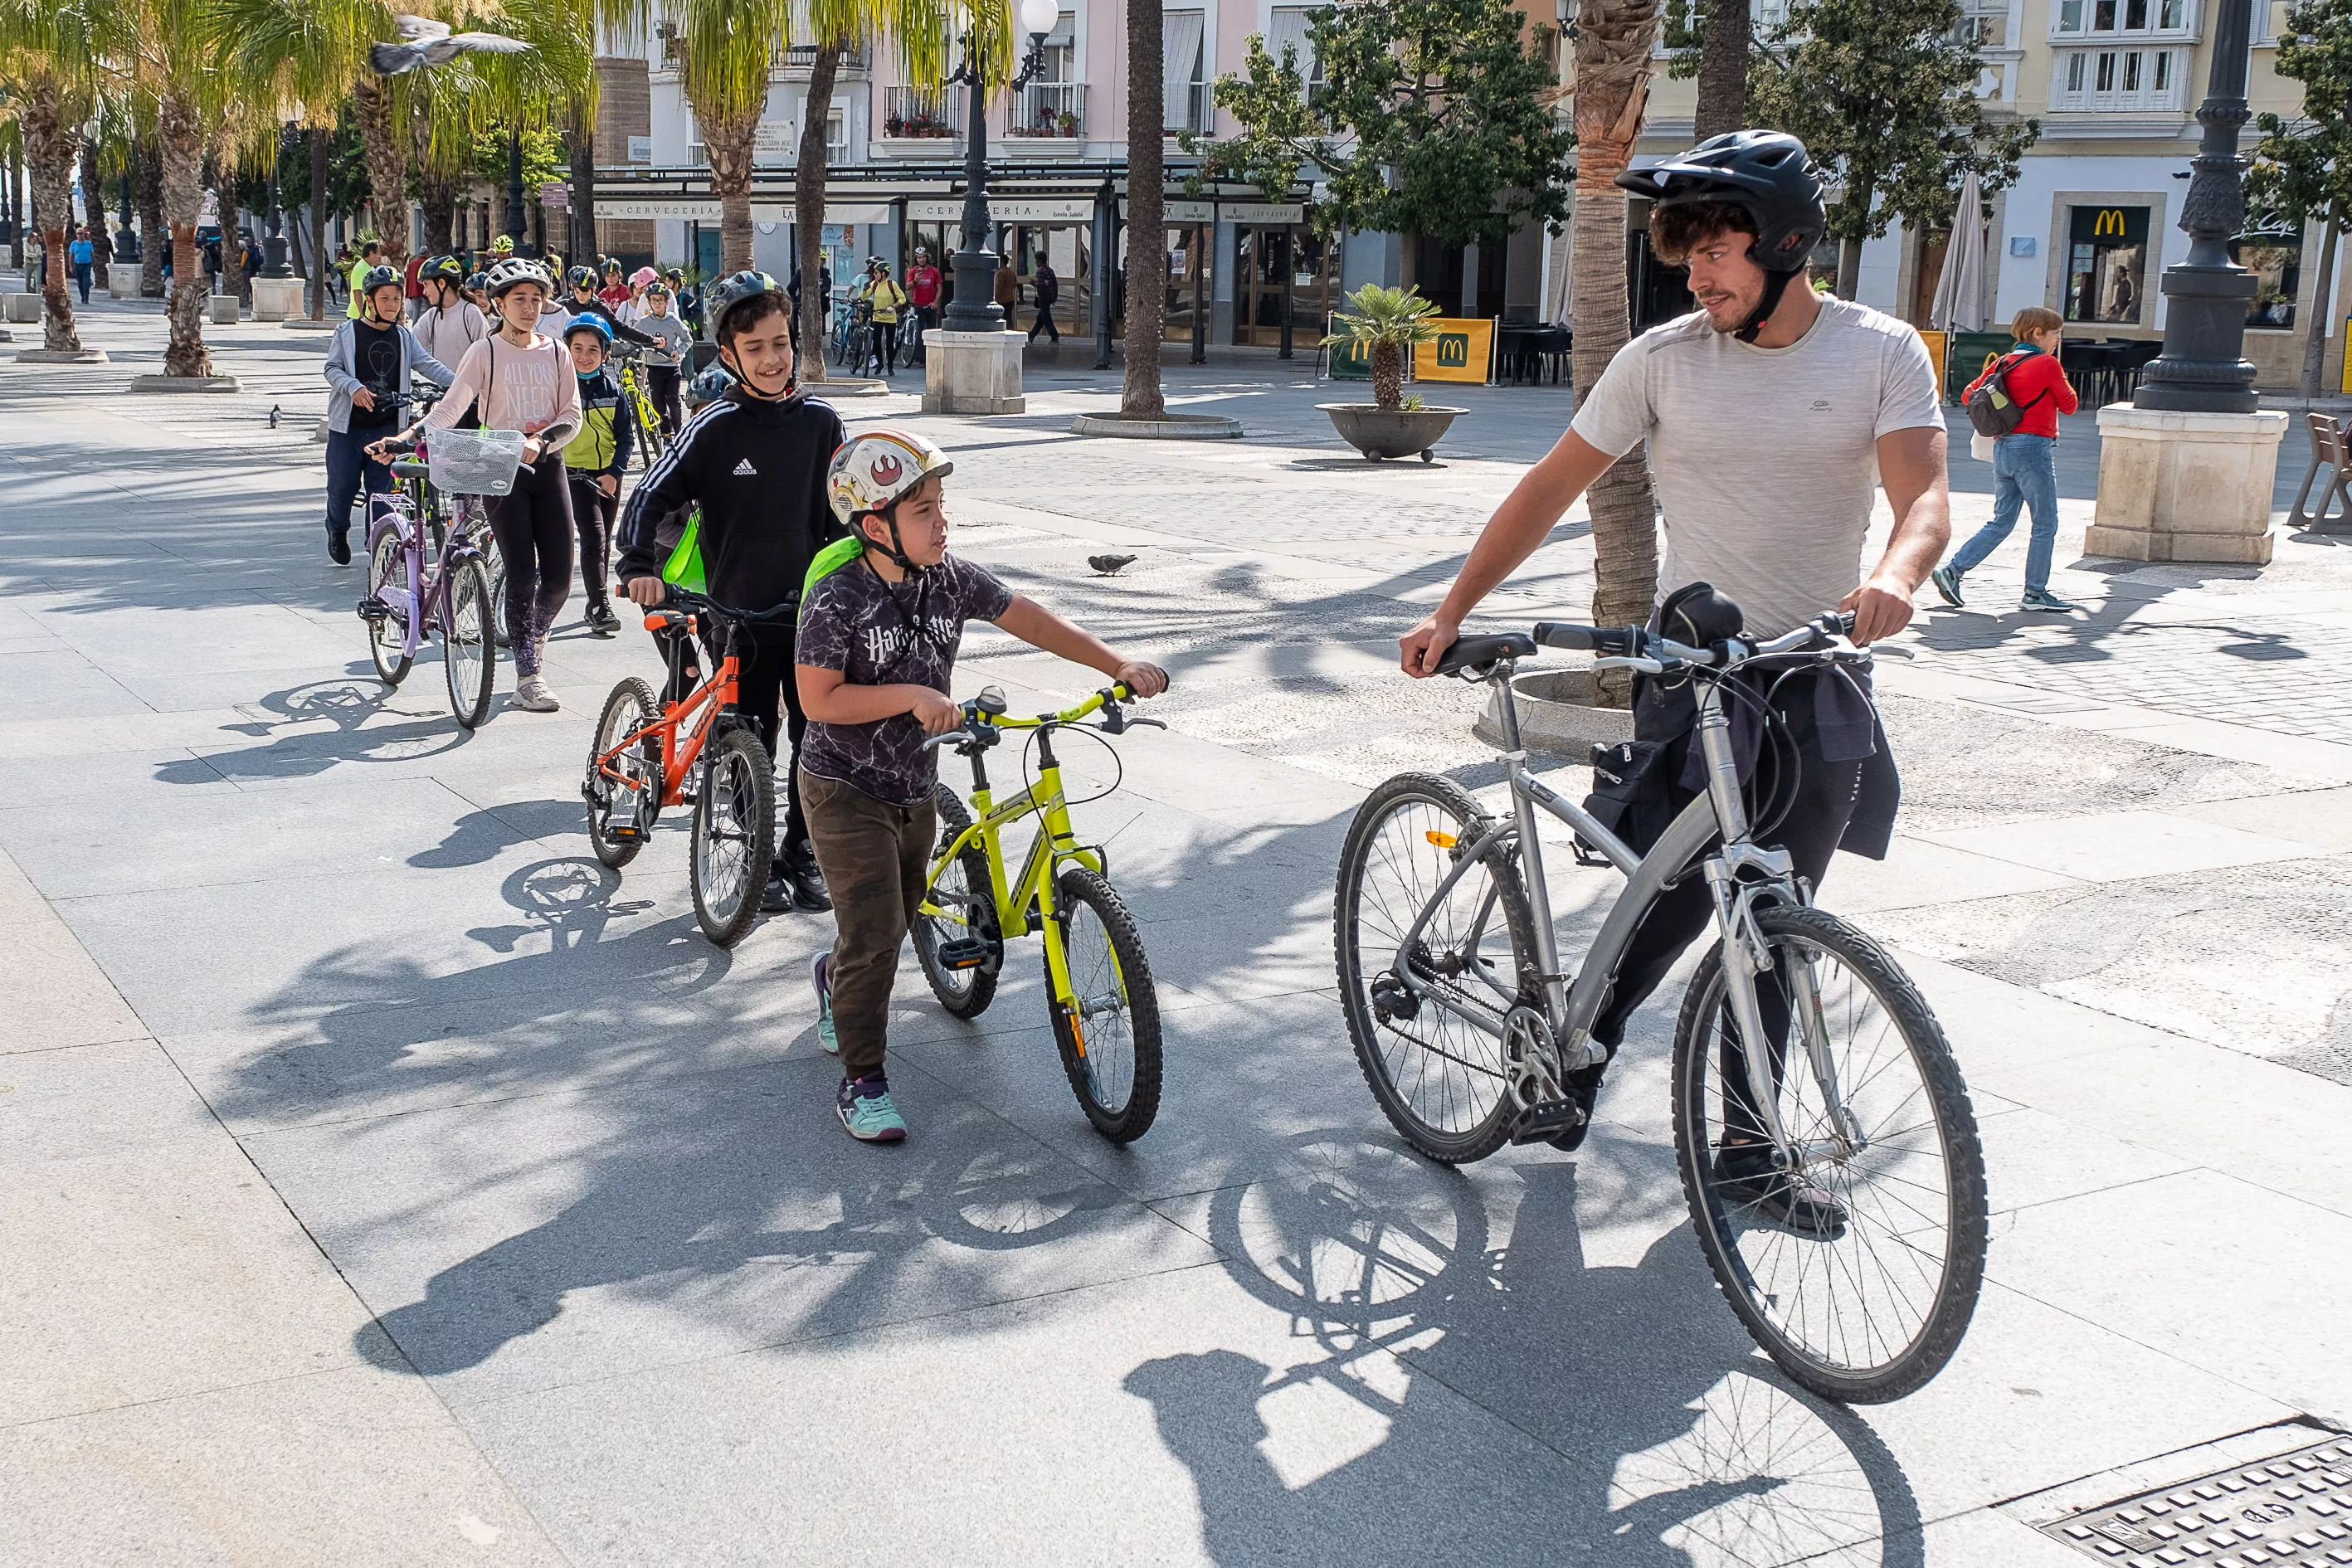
(1613,43)
(726,51)
(1147,234)
(47,59)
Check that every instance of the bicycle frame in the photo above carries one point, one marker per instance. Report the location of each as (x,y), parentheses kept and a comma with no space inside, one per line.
(427,605)
(705,703)
(1572,1007)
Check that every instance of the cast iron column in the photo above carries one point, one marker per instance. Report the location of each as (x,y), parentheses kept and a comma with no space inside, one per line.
(514,190)
(2203,368)
(1105,273)
(974,307)
(273,244)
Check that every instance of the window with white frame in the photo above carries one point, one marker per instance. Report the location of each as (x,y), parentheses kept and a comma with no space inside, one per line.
(1983,23)
(2129,79)
(2108,18)
(2268,15)
(1288,26)
(1183,46)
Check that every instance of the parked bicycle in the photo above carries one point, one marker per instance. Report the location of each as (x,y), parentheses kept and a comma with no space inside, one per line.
(1105,1008)
(414,591)
(647,755)
(1467,1026)
(637,401)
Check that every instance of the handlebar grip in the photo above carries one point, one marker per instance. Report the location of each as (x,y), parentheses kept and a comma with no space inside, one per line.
(1614,642)
(1844,621)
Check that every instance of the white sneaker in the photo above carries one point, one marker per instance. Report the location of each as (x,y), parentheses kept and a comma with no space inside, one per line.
(532,695)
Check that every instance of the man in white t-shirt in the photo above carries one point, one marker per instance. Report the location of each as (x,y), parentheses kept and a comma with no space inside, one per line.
(1772,416)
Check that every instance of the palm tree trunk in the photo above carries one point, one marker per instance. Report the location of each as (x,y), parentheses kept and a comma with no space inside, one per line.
(1614,38)
(728,140)
(15,214)
(179,133)
(1723,69)
(387,162)
(808,210)
(152,241)
(1147,233)
(232,238)
(50,147)
(2323,299)
(321,269)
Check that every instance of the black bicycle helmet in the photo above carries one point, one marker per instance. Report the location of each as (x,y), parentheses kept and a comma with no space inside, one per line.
(1768,175)
(581,278)
(709,386)
(376,278)
(444,267)
(732,291)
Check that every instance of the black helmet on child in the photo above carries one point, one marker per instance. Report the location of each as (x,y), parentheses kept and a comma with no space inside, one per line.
(479,281)
(376,278)
(732,291)
(709,386)
(443,268)
(1768,174)
(581,278)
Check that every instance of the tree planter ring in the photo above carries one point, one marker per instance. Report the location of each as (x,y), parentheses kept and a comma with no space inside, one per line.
(1378,433)
(1557,715)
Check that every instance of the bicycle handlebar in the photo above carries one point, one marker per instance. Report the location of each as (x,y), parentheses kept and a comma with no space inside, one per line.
(692,603)
(980,726)
(1634,649)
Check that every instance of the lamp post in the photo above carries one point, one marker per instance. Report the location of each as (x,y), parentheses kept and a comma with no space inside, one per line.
(2203,368)
(974,308)
(514,191)
(273,243)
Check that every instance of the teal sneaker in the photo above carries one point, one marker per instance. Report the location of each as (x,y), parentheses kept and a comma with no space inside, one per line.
(820,971)
(1948,584)
(864,1105)
(2042,599)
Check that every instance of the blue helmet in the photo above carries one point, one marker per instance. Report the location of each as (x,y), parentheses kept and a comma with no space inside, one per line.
(591,322)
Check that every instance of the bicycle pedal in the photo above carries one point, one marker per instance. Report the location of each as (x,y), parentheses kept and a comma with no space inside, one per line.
(963,953)
(374,609)
(1547,1118)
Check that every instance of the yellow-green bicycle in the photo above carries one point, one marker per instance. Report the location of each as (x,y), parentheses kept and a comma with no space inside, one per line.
(1105,1012)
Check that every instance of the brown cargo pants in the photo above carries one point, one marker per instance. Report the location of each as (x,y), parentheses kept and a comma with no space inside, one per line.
(873,856)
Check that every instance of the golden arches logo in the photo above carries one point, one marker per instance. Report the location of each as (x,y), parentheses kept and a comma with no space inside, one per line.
(2109,221)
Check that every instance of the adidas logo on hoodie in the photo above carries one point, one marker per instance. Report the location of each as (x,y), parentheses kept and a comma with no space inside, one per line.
(743,466)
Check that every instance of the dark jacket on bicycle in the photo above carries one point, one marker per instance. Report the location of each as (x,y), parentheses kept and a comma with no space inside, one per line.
(593,306)
(757,469)
(603,445)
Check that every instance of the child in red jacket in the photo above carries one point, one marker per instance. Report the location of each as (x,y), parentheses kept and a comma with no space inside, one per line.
(2024,462)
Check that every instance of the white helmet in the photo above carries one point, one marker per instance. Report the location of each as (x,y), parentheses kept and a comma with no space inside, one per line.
(504,275)
(873,469)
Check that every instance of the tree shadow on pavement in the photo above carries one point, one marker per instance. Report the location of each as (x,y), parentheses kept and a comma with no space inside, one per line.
(1670,1441)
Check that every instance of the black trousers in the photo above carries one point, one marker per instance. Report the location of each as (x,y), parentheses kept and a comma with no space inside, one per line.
(592,520)
(1810,831)
(661,381)
(767,694)
(1045,322)
(534,525)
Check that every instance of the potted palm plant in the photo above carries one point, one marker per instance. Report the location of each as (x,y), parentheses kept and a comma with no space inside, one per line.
(1386,324)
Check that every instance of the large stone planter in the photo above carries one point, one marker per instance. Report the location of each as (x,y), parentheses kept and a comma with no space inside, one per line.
(1378,433)
(2185,487)
(277,298)
(1556,715)
(225,309)
(972,372)
(23,308)
(122,279)
(183,384)
(1167,427)
(62,356)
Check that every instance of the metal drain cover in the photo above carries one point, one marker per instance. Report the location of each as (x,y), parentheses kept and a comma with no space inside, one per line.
(2293,1511)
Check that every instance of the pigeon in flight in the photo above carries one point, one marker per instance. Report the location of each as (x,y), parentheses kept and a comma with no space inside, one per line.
(425,43)
(1108,565)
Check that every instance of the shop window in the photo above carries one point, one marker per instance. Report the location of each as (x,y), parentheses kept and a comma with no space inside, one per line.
(2107,264)
(2276,262)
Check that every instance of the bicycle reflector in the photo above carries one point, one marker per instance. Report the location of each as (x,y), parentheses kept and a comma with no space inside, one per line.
(1442,840)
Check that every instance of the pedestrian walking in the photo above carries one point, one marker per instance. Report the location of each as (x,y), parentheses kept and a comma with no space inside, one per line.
(1045,288)
(2024,462)
(83,257)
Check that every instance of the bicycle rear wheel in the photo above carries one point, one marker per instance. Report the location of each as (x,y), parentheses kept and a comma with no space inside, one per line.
(964,890)
(1439,1079)
(734,836)
(1109,1035)
(469,654)
(1863,1299)
(635,798)
(392,578)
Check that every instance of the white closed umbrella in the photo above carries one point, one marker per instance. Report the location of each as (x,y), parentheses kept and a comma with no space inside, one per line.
(1960,304)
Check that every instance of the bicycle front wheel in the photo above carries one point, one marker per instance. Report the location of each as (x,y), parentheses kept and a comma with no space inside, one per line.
(1858,1270)
(1439,1079)
(1109,1026)
(392,578)
(734,836)
(469,656)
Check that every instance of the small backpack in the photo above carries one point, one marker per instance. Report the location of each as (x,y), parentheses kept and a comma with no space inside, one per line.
(1991,409)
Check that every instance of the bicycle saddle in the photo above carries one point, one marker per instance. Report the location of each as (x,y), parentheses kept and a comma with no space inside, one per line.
(1469,655)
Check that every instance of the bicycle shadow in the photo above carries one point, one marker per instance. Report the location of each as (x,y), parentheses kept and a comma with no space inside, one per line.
(292,746)
(1629,1380)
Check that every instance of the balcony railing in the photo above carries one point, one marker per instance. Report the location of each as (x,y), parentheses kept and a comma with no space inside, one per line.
(923,113)
(1047,108)
(802,58)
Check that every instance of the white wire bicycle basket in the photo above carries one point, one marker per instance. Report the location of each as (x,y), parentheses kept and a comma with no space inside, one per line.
(474,462)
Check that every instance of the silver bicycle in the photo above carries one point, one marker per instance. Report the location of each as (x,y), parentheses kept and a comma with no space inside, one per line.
(1834,1176)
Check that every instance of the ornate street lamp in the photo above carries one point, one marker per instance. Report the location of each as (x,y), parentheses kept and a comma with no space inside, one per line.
(514,192)
(2203,368)
(974,308)
(273,244)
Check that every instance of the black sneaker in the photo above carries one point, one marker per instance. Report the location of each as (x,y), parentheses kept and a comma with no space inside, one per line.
(1584,1088)
(1748,1185)
(777,898)
(799,871)
(338,546)
(603,621)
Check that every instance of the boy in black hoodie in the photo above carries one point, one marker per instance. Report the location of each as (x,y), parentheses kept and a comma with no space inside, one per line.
(754,462)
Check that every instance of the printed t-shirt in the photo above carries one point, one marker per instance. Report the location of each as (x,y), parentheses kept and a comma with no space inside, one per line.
(889,634)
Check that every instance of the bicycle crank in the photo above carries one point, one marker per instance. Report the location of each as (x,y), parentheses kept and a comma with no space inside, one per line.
(1531,1058)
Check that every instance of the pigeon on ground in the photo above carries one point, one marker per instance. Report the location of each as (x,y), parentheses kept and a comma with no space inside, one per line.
(273,417)
(1108,565)
(425,43)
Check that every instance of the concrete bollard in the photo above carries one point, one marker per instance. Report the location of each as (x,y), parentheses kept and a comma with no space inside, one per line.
(225,309)
(122,279)
(277,299)
(23,307)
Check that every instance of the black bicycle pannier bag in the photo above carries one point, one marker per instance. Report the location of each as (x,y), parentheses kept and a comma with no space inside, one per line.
(1630,795)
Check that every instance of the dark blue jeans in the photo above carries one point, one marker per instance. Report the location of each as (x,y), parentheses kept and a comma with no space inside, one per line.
(2025,475)
(348,467)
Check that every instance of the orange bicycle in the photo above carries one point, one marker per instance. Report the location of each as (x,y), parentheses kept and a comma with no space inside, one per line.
(646,757)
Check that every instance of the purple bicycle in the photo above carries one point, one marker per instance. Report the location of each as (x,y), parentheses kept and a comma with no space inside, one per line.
(414,592)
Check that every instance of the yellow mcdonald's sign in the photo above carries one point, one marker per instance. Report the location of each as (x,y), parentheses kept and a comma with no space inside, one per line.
(2109,221)
(1463,351)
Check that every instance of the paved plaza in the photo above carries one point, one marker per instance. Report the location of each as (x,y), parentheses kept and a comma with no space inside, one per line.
(381,1180)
